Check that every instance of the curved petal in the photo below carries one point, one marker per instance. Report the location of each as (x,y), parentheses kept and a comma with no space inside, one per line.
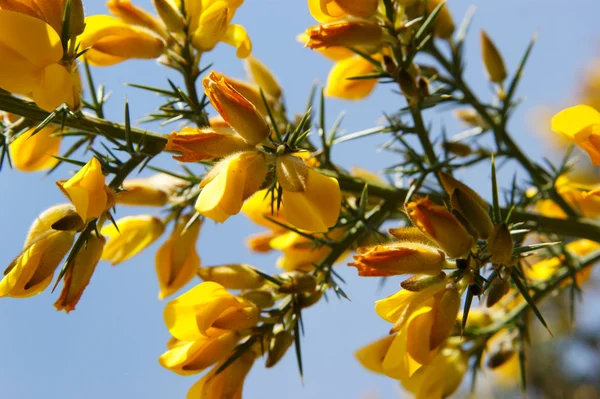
(55,88)
(575,122)
(338,84)
(33,153)
(237,37)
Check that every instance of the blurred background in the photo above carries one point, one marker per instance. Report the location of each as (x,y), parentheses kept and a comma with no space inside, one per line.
(108,347)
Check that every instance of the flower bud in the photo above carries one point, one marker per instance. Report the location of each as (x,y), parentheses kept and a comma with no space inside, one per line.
(408,85)
(297,282)
(133,15)
(234,277)
(440,225)
(59,217)
(141,192)
(451,184)
(500,356)
(420,282)
(497,290)
(444,25)
(471,118)
(494,64)
(292,173)
(262,299)
(170,15)
(237,111)
(131,235)
(500,245)
(204,144)
(457,148)
(87,191)
(262,76)
(177,260)
(344,33)
(32,153)
(226,384)
(307,299)
(79,274)
(279,345)
(187,358)
(398,258)
(31,272)
(77,21)
(477,217)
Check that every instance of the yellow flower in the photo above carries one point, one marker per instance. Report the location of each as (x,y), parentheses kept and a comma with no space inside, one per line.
(87,191)
(339,85)
(581,124)
(440,226)
(583,197)
(303,194)
(230,183)
(300,253)
(32,153)
(48,241)
(187,358)
(133,235)
(226,384)
(132,15)
(344,33)
(258,209)
(78,276)
(398,258)
(177,260)
(233,277)
(205,144)
(263,77)
(208,305)
(141,192)
(441,377)
(546,268)
(330,10)
(111,41)
(49,11)
(210,23)
(32,52)
(235,109)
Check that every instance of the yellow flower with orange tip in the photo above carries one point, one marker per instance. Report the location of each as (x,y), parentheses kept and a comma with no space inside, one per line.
(205,144)
(230,183)
(345,33)
(303,194)
(32,53)
(191,357)
(440,226)
(228,383)
(131,235)
(48,241)
(177,260)
(79,274)
(141,192)
(208,305)
(398,258)
(331,10)
(30,153)
(87,191)
(580,124)
(110,41)
(546,268)
(235,109)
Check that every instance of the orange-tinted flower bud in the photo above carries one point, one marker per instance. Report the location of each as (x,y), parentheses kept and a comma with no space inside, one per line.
(344,33)
(237,111)
(398,258)
(440,225)
(204,144)
(78,276)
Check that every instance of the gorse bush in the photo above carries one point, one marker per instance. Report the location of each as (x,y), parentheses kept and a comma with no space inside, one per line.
(473,273)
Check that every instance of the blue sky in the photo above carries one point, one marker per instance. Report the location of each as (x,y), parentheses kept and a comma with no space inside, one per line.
(109,346)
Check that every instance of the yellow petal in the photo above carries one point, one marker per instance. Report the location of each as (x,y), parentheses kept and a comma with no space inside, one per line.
(371,356)
(338,84)
(318,207)
(134,234)
(575,122)
(237,37)
(33,153)
(86,190)
(55,88)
